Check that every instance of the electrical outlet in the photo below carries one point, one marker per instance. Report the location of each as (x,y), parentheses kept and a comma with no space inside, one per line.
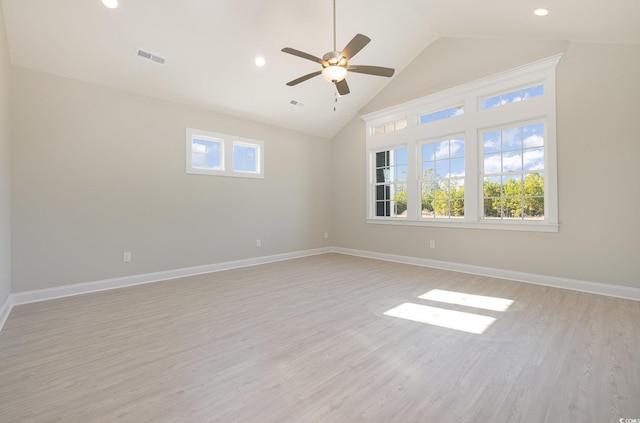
(326,235)
(432,244)
(126,256)
(258,243)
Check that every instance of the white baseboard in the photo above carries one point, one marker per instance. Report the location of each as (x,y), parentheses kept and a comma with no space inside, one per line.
(618,291)
(18,298)
(5,309)
(103,285)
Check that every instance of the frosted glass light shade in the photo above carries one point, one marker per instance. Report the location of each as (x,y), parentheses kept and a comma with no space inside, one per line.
(334,73)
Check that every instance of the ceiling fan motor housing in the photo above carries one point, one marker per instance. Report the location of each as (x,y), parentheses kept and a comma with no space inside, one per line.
(334,58)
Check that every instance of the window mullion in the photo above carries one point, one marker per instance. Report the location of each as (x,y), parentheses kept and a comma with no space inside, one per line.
(413,196)
(472,184)
(228,155)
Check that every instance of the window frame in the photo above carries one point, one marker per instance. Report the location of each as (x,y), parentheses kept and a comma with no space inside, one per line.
(523,173)
(421,179)
(256,162)
(228,142)
(392,182)
(470,125)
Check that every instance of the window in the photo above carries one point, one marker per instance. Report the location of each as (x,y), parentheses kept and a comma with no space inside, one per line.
(512,97)
(484,169)
(391,182)
(207,153)
(245,157)
(513,172)
(211,153)
(441,114)
(390,127)
(442,178)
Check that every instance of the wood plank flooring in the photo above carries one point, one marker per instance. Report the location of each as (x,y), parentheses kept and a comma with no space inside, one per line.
(307,340)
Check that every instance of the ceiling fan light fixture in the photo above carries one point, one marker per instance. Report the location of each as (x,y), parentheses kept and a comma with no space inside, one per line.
(334,73)
(334,63)
(111,4)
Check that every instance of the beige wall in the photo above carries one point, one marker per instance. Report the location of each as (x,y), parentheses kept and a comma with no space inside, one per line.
(5,183)
(598,150)
(97,172)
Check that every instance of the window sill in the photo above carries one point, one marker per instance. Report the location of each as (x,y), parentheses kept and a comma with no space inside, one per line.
(502,226)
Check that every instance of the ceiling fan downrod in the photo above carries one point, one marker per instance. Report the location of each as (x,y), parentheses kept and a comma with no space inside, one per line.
(334,25)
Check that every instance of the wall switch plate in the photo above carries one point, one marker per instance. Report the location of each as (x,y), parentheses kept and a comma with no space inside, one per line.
(258,243)
(126,256)
(432,244)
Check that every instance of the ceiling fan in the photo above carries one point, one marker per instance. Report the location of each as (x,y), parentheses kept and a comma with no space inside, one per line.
(335,63)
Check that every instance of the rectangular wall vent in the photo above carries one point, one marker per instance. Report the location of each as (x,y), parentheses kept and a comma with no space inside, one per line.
(150,56)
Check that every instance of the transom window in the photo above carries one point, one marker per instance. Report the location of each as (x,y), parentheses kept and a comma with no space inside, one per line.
(441,114)
(480,170)
(512,97)
(210,153)
(390,127)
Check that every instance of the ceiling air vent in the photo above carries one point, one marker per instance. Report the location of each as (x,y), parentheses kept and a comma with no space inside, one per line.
(150,56)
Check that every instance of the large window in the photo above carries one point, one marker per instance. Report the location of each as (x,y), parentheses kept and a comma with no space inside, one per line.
(211,153)
(513,172)
(442,178)
(488,161)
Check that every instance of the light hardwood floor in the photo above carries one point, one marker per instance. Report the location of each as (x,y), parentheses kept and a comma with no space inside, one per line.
(307,340)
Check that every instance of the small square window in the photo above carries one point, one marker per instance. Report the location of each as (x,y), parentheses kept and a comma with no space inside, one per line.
(206,154)
(245,157)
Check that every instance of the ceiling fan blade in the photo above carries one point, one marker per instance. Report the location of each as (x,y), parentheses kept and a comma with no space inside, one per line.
(303,55)
(303,78)
(355,45)
(343,87)
(372,70)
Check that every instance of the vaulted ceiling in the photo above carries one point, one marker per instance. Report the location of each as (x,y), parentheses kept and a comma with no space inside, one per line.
(210,45)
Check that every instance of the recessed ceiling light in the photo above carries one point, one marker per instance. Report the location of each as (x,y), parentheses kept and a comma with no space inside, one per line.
(260,61)
(541,12)
(111,4)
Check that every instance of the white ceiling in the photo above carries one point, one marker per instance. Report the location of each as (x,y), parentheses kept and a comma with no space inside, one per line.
(210,45)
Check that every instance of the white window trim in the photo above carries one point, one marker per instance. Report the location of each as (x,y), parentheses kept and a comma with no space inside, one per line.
(228,141)
(471,123)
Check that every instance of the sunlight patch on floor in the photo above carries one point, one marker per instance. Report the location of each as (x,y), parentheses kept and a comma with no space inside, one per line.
(461,298)
(467,322)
